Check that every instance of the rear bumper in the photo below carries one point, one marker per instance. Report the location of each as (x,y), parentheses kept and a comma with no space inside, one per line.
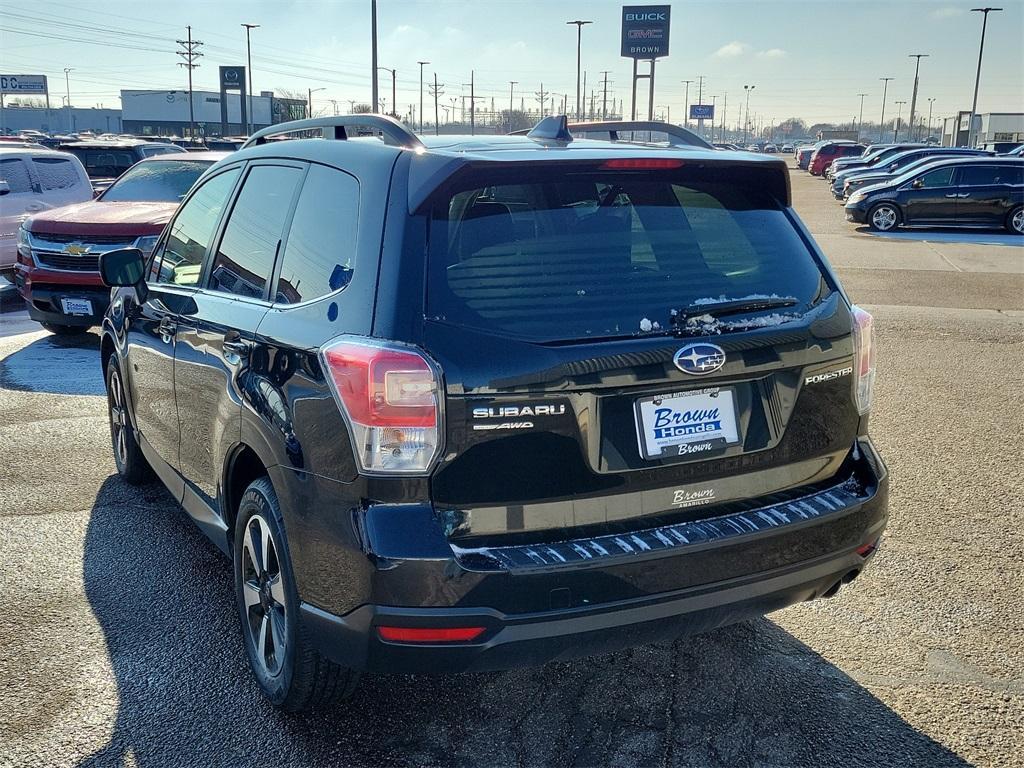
(543,603)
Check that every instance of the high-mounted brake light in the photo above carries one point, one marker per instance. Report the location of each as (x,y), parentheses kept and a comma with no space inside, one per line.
(643,163)
(390,395)
(864,365)
(430,635)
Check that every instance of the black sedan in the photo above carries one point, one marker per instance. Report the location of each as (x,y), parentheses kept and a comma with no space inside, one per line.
(966,192)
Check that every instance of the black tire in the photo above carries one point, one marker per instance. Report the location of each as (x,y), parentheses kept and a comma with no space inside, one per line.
(300,678)
(880,222)
(1015,221)
(131,464)
(64,330)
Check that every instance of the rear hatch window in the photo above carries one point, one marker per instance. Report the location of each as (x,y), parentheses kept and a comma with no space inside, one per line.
(563,256)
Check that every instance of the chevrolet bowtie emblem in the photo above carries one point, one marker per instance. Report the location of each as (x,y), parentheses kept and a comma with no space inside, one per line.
(76,249)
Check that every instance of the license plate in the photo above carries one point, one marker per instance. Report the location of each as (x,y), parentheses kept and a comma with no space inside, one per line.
(686,423)
(76,306)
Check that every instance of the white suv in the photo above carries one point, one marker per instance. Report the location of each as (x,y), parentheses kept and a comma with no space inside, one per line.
(33,180)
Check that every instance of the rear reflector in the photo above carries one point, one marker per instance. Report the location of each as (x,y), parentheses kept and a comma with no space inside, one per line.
(643,163)
(430,635)
(866,549)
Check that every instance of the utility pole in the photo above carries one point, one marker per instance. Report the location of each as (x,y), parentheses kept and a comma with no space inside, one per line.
(686,104)
(930,103)
(860,120)
(977,78)
(190,52)
(248,55)
(351,105)
(913,98)
(309,95)
(604,94)
(435,91)
(511,93)
(67,83)
(421,63)
(881,120)
(725,110)
(747,89)
(899,111)
(541,98)
(579,40)
(373,54)
(394,101)
(700,100)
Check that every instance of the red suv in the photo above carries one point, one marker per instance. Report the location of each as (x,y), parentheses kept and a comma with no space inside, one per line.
(825,154)
(57,272)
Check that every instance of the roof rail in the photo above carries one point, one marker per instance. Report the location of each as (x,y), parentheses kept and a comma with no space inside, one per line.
(678,136)
(392,131)
(682,136)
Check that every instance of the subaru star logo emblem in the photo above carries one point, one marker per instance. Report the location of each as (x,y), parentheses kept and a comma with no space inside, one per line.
(699,359)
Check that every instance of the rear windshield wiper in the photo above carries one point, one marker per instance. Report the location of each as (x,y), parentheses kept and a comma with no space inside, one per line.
(733,307)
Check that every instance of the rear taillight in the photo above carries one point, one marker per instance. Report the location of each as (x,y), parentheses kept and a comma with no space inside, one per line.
(390,395)
(864,365)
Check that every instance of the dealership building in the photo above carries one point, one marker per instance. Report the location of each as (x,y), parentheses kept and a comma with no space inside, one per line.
(166,113)
(989,127)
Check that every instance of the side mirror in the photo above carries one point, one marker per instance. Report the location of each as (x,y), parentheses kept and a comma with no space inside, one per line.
(5,188)
(123,267)
(918,183)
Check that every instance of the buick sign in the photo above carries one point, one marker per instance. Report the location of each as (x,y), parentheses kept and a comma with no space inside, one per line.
(699,359)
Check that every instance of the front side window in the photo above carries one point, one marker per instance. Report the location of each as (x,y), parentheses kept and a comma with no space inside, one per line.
(593,255)
(181,259)
(164,181)
(56,173)
(943,177)
(318,257)
(14,171)
(245,256)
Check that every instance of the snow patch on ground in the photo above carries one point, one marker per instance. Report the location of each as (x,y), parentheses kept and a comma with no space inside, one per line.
(58,367)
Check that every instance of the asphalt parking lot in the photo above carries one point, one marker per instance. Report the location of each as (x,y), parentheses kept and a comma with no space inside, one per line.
(121,646)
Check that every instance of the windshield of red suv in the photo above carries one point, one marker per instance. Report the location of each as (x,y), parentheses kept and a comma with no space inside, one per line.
(608,254)
(164,181)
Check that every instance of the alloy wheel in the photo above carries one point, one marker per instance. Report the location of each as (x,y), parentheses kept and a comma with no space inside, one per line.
(1017,222)
(884,218)
(263,593)
(118,419)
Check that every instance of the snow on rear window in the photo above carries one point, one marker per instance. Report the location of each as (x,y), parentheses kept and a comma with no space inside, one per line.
(56,172)
(14,172)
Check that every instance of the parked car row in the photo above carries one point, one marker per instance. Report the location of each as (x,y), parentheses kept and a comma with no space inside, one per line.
(887,186)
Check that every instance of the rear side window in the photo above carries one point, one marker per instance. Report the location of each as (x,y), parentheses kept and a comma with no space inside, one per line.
(182,257)
(985,175)
(56,173)
(318,256)
(594,255)
(14,171)
(245,256)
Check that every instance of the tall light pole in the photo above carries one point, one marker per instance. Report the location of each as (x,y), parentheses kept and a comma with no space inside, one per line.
(373,56)
(881,120)
(896,129)
(913,98)
(977,78)
(394,102)
(67,84)
(860,120)
(511,92)
(579,40)
(421,63)
(686,103)
(309,95)
(747,89)
(930,103)
(248,56)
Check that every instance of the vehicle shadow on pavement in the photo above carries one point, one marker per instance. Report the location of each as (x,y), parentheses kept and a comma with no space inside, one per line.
(750,694)
(59,365)
(940,235)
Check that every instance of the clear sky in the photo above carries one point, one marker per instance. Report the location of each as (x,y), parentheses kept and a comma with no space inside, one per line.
(808,59)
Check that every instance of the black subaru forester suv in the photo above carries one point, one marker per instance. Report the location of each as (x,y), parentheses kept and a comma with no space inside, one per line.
(472,403)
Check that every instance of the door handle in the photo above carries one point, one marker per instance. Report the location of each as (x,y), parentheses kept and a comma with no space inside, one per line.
(965,194)
(953,197)
(167,329)
(235,345)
